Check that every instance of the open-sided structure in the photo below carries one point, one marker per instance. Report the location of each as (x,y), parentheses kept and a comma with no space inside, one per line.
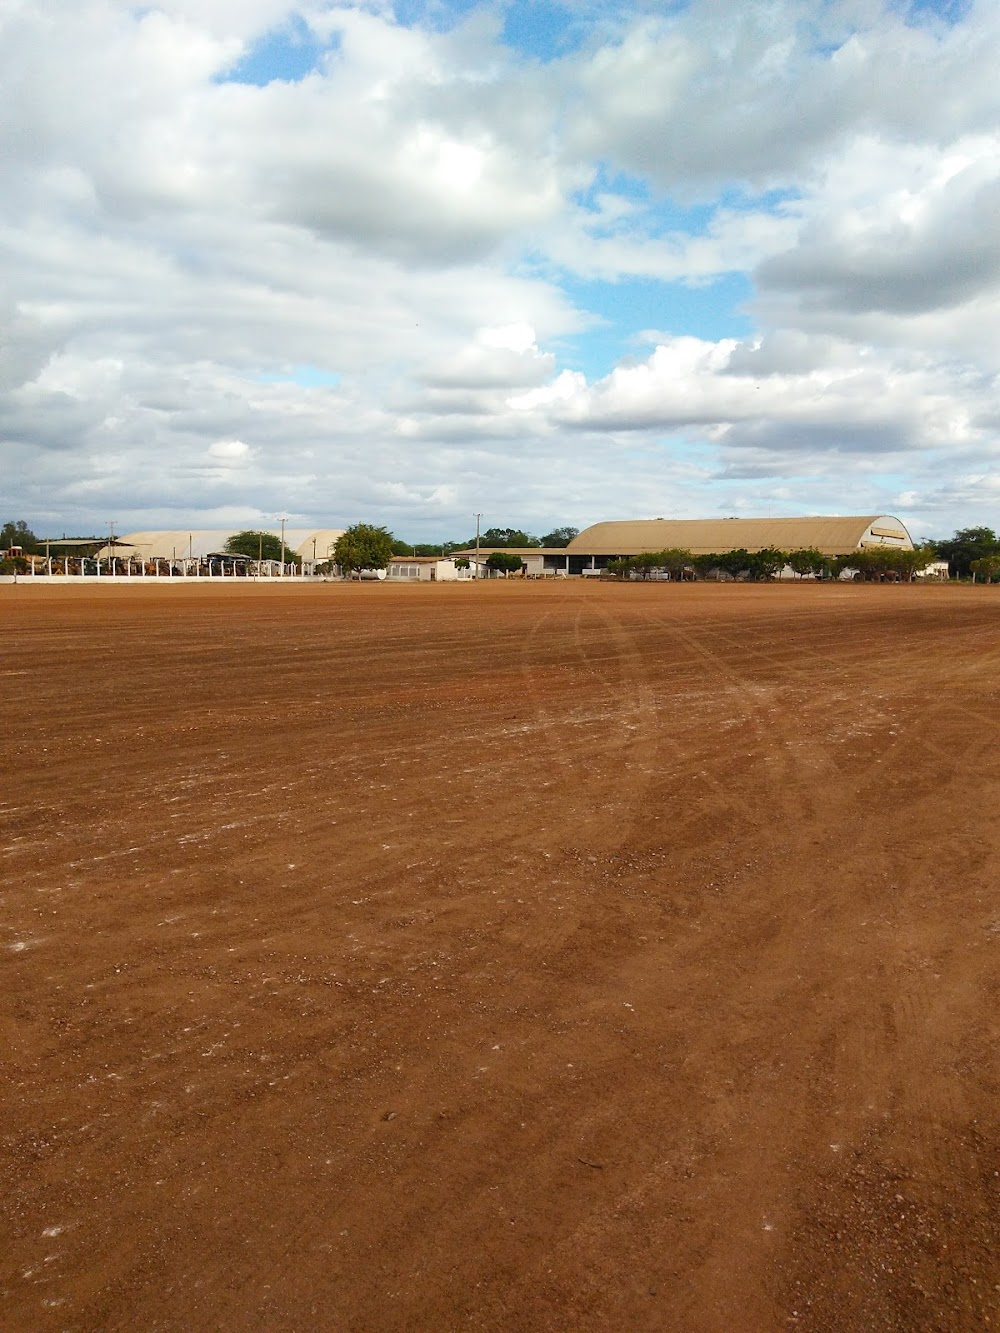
(311,545)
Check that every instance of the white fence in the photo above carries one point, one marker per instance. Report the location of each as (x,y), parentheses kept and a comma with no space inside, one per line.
(161,571)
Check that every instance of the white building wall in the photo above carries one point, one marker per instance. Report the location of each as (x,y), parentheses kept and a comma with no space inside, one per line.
(401,570)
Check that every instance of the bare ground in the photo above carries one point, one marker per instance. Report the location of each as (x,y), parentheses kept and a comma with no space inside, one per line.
(500,957)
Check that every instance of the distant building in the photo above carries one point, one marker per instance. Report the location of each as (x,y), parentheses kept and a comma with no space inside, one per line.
(425,569)
(534,559)
(590,551)
(313,546)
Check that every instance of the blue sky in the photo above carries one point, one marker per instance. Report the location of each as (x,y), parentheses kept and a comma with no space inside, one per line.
(626,309)
(287,53)
(538,29)
(399,265)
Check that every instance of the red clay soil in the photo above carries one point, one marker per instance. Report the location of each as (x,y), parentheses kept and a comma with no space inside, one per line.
(501,957)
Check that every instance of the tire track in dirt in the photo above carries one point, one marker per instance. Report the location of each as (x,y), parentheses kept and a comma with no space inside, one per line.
(628,734)
(823,766)
(648,711)
(751,702)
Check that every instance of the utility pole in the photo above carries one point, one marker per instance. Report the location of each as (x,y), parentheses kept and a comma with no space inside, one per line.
(478,517)
(283,521)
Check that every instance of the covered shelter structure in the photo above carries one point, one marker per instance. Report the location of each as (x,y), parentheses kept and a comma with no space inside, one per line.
(191,550)
(590,551)
(76,554)
(168,555)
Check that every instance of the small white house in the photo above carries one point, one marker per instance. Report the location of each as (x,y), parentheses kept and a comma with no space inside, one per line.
(425,569)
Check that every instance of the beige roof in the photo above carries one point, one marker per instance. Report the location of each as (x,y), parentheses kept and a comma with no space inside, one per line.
(702,536)
(167,544)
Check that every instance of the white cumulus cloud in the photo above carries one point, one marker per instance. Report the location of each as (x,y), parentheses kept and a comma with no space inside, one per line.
(402,286)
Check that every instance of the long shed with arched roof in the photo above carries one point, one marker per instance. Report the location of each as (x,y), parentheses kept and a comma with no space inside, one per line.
(831,535)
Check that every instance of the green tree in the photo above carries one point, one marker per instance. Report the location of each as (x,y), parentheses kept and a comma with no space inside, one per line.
(766,563)
(807,561)
(620,567)
(363,546)
(559,537)
(740,563)
(505,537)
(986,569)
(879,563)
(257,544)
(910,563)
(735,563)
(869,563)
(676,560)
(644,563)
(968,544)
(461,562)
(673,560)
(503,562)
(705,564)
(17,533)
(425,548)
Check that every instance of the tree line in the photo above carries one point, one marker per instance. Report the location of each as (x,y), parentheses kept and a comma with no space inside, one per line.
(492,537)
(367,546)
(364,546)
(874,563)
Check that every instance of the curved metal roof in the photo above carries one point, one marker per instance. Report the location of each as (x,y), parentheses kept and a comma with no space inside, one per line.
(701,536)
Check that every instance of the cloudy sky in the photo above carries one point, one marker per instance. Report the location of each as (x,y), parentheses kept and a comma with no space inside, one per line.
(554,263)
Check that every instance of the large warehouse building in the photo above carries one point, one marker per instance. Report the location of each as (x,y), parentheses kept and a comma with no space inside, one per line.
(591,550)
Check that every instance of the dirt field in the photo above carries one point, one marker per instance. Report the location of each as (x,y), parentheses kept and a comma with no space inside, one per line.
(502,957)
